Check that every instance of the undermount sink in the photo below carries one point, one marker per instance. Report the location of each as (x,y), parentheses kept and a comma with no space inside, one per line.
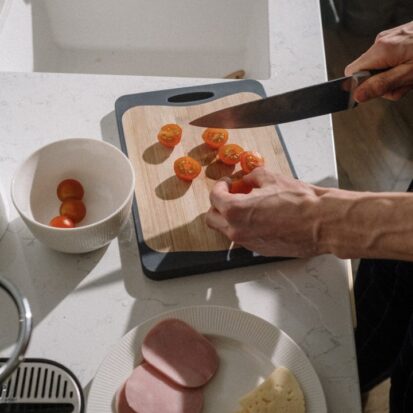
(191,38)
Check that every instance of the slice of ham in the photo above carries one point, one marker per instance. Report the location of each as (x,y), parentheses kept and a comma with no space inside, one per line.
(149,391)
(122,405)
(181,353)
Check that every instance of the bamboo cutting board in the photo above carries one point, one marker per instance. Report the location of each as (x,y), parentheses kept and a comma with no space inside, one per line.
(171,212)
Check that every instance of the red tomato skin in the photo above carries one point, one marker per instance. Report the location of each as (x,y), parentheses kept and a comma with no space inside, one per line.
(234,152)
(215,137)
(74,209)
(238,186)
(250,160)
(170,135)
(70,189)
(61,222)
(187,168)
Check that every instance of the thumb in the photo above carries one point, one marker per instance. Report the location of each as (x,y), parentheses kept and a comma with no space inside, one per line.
(257,178)
(385,83)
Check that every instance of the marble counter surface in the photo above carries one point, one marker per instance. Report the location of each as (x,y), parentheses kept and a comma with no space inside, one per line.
(83,304)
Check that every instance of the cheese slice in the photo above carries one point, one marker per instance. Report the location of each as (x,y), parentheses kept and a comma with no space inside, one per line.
(279,393)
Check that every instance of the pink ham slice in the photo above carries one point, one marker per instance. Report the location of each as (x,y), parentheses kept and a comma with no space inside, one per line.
(181,353)
(148,391)
(122,405)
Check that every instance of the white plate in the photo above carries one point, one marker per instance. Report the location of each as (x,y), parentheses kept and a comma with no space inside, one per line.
(249,349)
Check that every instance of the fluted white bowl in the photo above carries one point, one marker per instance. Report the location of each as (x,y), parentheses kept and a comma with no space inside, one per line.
(107,177)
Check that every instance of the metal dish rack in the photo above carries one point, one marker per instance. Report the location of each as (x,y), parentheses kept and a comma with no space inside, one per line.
(25,329)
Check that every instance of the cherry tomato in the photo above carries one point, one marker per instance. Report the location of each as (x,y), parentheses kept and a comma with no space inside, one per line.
(62,222)
(215,137)
(238,186)
(230,153)
(250,160)
(187,168)
(170,135)
(74,209)
(70,188)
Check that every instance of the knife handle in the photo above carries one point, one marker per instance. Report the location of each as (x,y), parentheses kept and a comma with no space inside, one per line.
(374,72)
(359,77)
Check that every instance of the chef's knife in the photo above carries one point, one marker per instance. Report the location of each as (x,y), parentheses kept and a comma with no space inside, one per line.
(308,102)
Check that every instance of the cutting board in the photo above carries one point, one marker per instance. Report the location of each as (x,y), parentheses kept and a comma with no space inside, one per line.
(169,214)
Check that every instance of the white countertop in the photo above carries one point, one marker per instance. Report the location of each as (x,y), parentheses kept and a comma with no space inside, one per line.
(83,304)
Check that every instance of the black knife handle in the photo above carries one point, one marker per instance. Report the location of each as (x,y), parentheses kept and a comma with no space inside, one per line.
(374,72)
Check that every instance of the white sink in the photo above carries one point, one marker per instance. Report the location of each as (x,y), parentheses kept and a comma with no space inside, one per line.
(191,38)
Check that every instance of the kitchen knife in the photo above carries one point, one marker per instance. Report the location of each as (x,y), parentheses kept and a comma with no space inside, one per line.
(308,102)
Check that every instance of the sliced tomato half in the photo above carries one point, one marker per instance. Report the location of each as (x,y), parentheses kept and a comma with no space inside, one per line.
(251,160)
(230,153)
(215,137)
(170,135)
(187,168)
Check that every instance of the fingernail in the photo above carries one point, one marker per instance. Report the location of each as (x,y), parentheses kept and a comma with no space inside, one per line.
(361,96)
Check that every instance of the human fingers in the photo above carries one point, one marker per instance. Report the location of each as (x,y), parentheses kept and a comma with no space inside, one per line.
(215,220)
(397,93)
(373,58)
(257,178)
(383,83)
(220,195)
(395,30)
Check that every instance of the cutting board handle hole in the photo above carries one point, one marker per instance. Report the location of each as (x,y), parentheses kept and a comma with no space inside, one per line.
(190,97)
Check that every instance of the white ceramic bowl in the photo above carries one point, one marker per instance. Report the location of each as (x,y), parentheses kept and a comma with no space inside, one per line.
(107,177)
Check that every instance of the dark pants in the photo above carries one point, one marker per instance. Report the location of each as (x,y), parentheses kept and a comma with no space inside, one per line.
(384,333)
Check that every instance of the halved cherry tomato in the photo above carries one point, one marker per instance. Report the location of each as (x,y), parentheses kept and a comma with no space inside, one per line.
(187,168)
(74,209)
(250,160)
(61,222)
(230,153)
(170,135)
(215,137)
(238,186)
(70,188)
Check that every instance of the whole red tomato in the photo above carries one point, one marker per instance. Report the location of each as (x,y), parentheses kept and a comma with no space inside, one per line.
(61,222)
(74,209)
(70,189)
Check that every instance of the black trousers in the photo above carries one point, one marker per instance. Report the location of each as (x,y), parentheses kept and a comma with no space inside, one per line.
(384,333)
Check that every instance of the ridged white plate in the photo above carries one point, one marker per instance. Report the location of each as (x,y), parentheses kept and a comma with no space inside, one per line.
(249,349)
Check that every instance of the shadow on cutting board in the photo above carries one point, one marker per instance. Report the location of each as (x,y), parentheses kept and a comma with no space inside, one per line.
(172,188)
(156,153)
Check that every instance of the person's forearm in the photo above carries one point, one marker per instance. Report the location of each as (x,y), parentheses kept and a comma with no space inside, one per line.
(365,224)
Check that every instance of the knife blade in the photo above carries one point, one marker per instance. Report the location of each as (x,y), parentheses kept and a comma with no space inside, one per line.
(308,102)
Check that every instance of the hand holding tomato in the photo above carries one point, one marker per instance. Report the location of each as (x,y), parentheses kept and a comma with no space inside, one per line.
(278,218)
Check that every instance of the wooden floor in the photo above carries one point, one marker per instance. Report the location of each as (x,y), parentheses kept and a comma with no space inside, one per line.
(374,147)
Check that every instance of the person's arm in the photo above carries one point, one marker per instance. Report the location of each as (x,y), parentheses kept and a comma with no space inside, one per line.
(392,49)
(285,217)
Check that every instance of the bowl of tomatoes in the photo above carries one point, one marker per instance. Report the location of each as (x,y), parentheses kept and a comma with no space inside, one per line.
(74,195)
